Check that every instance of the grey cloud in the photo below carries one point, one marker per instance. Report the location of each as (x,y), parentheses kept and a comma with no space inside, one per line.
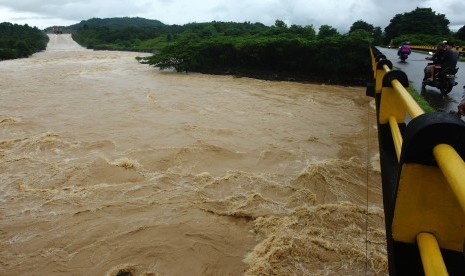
(337,13)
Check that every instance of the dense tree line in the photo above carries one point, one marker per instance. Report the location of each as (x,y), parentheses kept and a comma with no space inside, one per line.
(251,49)
(421,26)
(124,38)
(102,34)
(246,49)
(19,41)
(333,59)
(461,34)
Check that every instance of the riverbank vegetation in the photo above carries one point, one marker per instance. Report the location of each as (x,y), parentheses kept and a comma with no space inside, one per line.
(19,41)
(277,52)
(420,100)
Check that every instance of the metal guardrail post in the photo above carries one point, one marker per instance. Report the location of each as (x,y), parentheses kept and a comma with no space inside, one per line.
(413,109)
(431,257)
(395,100)
(396,136)
(453,168)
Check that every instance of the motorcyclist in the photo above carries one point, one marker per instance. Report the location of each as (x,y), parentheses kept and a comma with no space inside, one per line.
(450,58)
(404,49)
(437,59)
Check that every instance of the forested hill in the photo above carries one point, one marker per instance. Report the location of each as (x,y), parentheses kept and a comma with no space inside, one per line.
(117,22)
(111,23)
(19,41)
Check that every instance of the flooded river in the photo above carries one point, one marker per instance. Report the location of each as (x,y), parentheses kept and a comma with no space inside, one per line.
(111,167)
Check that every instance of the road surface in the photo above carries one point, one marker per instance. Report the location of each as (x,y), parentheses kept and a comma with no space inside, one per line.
(414,66)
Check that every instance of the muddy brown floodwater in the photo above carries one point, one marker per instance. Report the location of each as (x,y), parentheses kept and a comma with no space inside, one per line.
(111,166)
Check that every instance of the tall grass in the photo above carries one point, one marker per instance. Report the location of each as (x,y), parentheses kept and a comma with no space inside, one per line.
(420,100)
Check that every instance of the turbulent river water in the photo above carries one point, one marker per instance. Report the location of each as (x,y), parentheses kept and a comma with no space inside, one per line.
(111,167)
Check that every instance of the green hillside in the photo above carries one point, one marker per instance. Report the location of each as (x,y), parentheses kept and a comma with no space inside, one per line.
(117,22)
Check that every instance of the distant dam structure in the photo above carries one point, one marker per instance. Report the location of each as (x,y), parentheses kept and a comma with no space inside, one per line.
(57,29)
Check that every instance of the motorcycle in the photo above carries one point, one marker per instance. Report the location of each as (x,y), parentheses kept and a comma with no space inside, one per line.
(403,56)
(443,79)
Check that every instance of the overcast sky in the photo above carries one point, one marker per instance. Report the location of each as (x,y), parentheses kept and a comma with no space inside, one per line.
(339,14)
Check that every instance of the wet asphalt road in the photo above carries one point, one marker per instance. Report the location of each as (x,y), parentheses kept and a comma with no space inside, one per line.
(414,66)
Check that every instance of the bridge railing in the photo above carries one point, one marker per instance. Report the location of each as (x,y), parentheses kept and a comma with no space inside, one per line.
(460,49)
(423,178)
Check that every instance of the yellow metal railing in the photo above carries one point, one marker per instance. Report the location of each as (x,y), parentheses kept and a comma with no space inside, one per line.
(453,167)
(460,49)
(409,223)
(430,253)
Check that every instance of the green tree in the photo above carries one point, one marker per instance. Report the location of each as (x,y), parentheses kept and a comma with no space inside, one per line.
(377,36)
(327,31)
(375,32)
(307,31)
(175,56)
(17,41)
(361,35)
(418,21)
(361,25)
(461,33)
(280,24)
